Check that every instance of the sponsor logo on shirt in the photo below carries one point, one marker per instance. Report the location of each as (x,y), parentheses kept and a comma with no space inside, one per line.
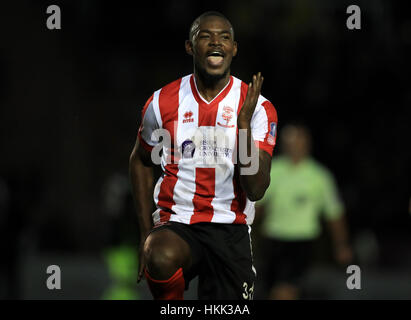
(188,148)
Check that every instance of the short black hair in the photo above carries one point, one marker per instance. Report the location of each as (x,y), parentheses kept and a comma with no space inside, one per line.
(204,15)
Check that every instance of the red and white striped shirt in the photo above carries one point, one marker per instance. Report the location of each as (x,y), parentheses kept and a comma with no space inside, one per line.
(194,186)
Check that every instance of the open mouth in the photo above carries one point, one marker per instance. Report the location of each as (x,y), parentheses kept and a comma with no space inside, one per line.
(215,58)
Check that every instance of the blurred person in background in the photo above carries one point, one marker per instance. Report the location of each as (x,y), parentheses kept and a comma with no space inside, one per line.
(119,254)
(301,190)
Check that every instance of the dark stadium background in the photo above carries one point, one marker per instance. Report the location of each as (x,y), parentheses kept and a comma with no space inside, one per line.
(70,107)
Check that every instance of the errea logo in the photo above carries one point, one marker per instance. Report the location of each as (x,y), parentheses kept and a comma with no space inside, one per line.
(188,117)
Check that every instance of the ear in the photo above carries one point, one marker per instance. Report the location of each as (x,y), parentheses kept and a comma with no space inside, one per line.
(189,47)
(235,48)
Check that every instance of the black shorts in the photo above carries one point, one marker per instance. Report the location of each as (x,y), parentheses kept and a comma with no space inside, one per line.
(285,261)
(221,258)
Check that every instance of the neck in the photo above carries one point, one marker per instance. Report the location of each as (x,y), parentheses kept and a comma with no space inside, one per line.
(210,87)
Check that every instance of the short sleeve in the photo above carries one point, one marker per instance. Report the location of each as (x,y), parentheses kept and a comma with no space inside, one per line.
(264,125)
(148,125)
(332,204)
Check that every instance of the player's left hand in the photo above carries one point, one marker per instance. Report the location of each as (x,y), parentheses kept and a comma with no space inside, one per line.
(250,102)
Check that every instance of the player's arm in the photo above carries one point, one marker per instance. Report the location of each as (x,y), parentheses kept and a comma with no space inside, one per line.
(141,176)
(256,184)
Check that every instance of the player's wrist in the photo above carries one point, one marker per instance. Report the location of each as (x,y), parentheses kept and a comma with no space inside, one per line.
(243,122)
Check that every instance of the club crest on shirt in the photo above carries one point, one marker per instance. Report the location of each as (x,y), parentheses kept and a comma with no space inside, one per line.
(188,117)
(227,116)
(271,135)
(187,149)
